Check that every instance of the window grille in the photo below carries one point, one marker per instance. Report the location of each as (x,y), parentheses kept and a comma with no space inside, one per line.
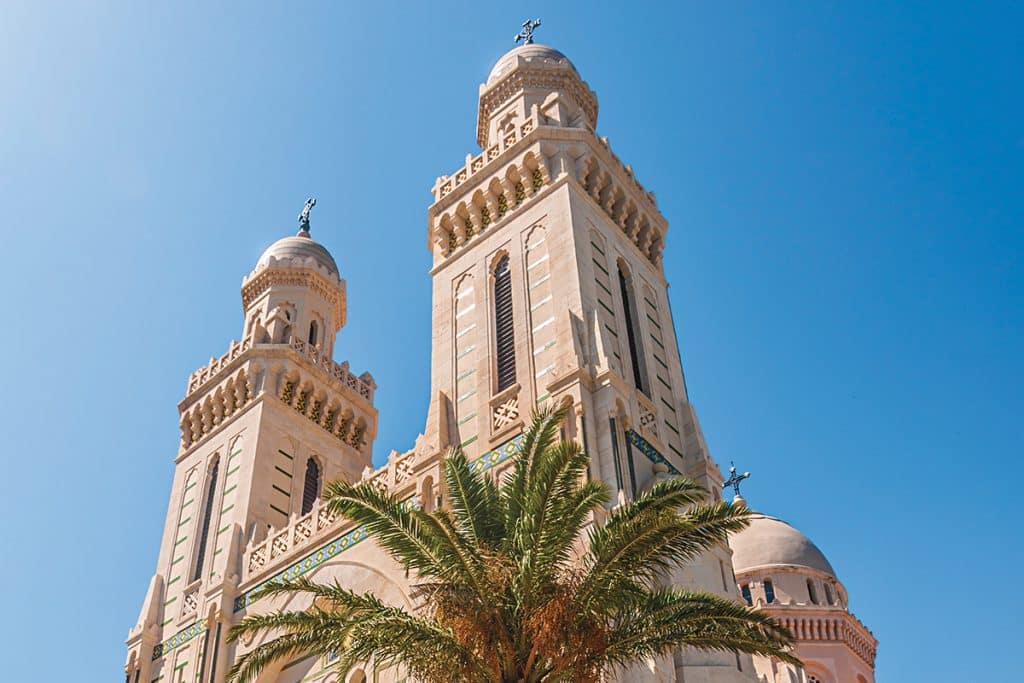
(207,518)
(636,352)
(505,343)
(311,487)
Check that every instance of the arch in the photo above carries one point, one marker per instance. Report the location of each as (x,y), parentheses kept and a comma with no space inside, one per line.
(504,324)
(314,333)
(811,592)
(209,492)
(769,591)
(631,313)
(830,596)
(745,591)
(311,485)
(427,494)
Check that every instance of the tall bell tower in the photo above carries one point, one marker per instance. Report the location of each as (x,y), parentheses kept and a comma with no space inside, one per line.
(262,427)
(549,287)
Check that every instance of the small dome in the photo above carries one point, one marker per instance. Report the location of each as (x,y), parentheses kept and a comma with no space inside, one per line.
(535,53)
(771,542)
(302,247)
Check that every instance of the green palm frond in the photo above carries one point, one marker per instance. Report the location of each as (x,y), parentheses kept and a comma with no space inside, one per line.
(474,501)
(511,583)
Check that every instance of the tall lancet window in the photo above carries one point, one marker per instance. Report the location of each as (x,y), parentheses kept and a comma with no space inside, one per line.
(313,331)
(636,351)
(204,527)
(504,333)
(311,487)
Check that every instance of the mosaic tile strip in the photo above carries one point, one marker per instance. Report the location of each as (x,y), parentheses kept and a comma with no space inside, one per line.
(499,455)
(311,561)
(336,547)
(180,638)
(650,451)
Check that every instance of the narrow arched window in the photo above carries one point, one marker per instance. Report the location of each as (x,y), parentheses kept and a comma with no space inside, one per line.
(313,330)
(504,332)
(636,351)
(769,592)
(311,487)
(829,597)
(812,592)
(204,528)
(745,590)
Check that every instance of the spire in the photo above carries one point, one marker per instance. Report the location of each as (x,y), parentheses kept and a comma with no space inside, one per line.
(304,217)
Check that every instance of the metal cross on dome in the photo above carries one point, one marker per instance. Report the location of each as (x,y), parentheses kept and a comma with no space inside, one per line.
(304,216)
(734,479)
(526,35)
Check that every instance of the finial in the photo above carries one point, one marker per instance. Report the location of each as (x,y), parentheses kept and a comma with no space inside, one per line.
(526,35)
(734,480)
(304,217)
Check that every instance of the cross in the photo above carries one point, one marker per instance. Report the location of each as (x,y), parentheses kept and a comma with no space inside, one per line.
(304,216)
(734,479)
(526,35)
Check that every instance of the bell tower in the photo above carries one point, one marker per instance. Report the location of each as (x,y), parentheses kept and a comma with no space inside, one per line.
(548,286)
(262,428)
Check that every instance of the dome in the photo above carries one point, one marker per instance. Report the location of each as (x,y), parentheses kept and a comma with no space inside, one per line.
(302,247)
(534,53)
(771,542)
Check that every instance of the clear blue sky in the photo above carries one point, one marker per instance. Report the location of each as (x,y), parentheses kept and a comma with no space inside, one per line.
(843,187)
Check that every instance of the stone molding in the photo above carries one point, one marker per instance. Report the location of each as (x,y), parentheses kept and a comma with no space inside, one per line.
(281,274)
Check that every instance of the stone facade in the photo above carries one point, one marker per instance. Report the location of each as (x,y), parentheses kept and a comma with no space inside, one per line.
(548,288)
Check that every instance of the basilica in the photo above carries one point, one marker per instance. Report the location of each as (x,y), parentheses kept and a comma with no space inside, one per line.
(548,288)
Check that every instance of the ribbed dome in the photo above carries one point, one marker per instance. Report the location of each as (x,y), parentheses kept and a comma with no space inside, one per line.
(301,247)
(771,542)
(534,53)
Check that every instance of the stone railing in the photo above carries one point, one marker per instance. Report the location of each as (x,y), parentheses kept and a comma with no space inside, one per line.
(320,523)
(446,184)
(204,374)
(364,385)
(281,542)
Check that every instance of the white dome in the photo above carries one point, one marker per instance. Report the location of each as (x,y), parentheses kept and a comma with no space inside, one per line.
(534,53)
(770,542)
(301,247)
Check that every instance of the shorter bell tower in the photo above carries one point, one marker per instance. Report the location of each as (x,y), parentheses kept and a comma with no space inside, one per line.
(262,428)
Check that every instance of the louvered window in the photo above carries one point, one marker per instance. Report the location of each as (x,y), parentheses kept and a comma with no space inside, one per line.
(204,530)
(636,352)
(311,488)
(505,342)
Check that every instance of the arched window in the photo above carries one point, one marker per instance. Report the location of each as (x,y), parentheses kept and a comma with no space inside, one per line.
(769,592)
(204,527)
(829,595)
(811,592)
(504,327)
(313,330)
(311,487)
(636,351)
(746,594)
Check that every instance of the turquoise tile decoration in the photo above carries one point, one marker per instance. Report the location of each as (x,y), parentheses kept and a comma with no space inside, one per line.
(499,455)
(180,638)
(359,534)
(650,451)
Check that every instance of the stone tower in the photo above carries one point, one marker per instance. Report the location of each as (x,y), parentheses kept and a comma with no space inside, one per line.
(548,286)
(262,427)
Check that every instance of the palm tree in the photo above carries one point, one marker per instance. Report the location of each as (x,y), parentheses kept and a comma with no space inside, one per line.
(516,582)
